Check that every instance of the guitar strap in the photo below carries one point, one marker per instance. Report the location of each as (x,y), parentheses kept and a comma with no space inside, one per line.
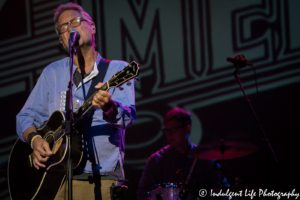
(102,68)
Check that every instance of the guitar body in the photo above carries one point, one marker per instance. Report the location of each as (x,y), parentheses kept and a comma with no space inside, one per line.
(25,181)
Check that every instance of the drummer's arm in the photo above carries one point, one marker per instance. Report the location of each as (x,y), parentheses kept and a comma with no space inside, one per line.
(148,179)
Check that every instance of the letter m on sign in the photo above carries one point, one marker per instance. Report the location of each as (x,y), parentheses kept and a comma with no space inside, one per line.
(139,30)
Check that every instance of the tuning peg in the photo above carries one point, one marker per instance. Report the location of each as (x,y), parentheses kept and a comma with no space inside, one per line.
(121,88)
(128,83)
(136,79)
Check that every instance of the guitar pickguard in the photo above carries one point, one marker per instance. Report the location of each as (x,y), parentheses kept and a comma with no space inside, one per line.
(57,145)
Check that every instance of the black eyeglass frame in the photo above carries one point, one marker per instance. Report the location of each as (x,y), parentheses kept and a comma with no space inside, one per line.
(164,130)
(68,24)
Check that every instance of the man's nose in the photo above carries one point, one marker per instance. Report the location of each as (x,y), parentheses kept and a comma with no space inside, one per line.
(70,27)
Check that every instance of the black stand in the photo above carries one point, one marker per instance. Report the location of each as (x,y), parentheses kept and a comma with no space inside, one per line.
(68,123)
(222,149)
(236,75)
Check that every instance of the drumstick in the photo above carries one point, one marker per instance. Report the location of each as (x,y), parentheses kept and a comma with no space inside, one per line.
(191,170)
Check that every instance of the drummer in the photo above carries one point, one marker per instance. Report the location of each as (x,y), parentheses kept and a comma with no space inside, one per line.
(171,164)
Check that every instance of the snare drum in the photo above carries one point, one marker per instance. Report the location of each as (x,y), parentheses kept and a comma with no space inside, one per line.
(171,191)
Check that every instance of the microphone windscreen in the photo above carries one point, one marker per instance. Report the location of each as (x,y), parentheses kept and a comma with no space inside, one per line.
(74,30)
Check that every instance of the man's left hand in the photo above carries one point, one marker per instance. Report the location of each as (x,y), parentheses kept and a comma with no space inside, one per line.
(102,99)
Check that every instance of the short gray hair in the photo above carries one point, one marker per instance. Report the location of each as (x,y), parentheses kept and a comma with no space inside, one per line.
(70,6)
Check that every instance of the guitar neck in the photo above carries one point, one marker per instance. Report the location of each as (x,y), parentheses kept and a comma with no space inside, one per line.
(87,104)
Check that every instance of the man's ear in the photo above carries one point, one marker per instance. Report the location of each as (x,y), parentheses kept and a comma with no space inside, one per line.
(93,28)
(62,42)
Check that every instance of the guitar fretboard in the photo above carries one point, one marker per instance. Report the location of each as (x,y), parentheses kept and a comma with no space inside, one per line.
(114,81)
(87,104)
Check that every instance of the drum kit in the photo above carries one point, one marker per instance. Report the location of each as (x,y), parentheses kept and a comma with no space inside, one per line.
(222,150)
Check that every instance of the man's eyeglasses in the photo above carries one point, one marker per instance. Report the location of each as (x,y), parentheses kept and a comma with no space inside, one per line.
(74,22)
(171,130)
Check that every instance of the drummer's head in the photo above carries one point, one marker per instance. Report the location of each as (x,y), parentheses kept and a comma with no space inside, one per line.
(177,126)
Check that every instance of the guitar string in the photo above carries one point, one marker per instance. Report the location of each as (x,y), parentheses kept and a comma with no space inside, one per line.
(89,99)
(55,134)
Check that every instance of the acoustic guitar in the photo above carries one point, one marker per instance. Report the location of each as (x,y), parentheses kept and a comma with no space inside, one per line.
(24,180)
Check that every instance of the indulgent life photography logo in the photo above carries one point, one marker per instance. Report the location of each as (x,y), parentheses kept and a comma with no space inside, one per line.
(252,194)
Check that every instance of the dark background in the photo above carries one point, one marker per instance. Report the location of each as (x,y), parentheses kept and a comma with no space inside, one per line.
(182,47)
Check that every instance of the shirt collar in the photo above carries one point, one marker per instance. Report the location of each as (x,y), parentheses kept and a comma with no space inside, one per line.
(93,73)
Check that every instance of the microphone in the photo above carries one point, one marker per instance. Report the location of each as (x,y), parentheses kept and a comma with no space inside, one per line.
(74,37)
(239,61)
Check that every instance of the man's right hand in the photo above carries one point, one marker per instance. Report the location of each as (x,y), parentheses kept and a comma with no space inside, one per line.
(41,152)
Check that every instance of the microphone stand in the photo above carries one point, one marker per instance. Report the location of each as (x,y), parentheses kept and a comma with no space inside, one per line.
(236,75)
(68,123)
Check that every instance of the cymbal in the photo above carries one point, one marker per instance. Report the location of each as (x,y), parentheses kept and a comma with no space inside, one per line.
(230,149)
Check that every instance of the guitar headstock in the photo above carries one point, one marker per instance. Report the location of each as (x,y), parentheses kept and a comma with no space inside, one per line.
(129,72)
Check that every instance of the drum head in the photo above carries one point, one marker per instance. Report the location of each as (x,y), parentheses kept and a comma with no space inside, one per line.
(171,191)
